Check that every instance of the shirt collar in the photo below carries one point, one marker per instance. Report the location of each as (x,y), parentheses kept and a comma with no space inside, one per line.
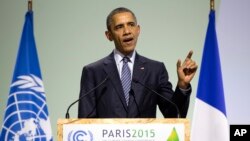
(119,56)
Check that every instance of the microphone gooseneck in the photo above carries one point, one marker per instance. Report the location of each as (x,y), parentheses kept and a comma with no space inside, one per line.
(148,88)
(67,116)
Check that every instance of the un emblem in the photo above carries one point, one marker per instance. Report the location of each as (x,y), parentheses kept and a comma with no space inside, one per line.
(80,135)
(26,116)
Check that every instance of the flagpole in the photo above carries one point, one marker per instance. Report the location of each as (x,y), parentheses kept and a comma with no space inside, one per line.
(30,5)
(211,4)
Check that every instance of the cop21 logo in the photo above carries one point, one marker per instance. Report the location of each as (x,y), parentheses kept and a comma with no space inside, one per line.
(80,135)
(29,120)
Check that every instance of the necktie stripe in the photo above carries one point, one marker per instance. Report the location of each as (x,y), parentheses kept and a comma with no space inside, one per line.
(126,78)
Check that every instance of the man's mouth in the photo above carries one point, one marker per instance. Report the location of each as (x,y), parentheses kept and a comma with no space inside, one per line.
(128,40)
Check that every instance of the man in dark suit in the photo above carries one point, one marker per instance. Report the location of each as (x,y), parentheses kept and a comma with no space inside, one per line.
(124,78)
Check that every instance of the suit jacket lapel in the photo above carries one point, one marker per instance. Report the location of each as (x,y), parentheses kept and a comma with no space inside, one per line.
(111,69)
(138,74)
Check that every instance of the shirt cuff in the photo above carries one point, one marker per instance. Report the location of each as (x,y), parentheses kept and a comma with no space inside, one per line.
(185,91)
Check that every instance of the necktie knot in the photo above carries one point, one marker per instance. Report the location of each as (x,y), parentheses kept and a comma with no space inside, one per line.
(125,59)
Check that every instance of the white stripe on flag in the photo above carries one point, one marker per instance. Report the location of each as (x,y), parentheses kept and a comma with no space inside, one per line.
(210,124)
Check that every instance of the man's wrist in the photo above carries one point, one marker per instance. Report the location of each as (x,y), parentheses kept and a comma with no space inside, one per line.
(182,85)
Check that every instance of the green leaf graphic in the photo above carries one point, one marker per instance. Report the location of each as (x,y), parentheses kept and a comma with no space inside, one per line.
(173,136)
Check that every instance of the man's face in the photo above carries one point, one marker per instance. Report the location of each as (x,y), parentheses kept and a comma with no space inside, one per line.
(124,31)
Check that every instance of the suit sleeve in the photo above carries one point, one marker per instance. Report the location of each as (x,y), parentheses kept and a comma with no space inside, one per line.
(178,97)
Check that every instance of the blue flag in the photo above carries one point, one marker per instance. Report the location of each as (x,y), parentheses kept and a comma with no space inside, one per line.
(209,120)
(26,115)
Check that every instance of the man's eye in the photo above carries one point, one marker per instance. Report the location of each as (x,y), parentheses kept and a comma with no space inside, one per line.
(118,27)
(132,24)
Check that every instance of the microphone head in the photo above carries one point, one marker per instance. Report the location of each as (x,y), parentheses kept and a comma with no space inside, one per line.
(131,92)
(135,80)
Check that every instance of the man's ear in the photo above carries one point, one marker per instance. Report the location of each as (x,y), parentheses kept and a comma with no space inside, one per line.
(139,29)
(108,35)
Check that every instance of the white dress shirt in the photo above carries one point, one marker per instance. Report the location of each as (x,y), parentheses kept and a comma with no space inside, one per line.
(119,62)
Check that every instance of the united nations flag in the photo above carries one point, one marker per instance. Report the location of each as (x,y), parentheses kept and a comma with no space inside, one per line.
(26,115)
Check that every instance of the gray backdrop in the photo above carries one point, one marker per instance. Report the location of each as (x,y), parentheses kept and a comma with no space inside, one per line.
(70,34)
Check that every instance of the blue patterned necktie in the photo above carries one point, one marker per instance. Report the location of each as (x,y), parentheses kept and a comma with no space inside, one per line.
(126,78)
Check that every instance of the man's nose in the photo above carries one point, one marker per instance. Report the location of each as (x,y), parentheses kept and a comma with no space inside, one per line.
(126,30)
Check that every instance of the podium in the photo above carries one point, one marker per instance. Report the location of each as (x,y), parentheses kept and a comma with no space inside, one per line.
(123,129)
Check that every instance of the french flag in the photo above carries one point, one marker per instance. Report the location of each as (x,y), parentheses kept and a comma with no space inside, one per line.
(209,122)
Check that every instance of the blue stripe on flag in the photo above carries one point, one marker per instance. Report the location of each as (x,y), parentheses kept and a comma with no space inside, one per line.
(210,86)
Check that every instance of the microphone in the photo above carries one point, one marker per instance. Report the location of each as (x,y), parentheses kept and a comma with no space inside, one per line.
(87,93)
(137,106)
(148,88)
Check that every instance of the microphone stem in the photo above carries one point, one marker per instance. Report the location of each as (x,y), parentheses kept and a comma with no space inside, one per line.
(67,113)
(177,109)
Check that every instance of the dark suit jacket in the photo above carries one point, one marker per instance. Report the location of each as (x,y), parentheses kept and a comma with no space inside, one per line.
(108,100)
